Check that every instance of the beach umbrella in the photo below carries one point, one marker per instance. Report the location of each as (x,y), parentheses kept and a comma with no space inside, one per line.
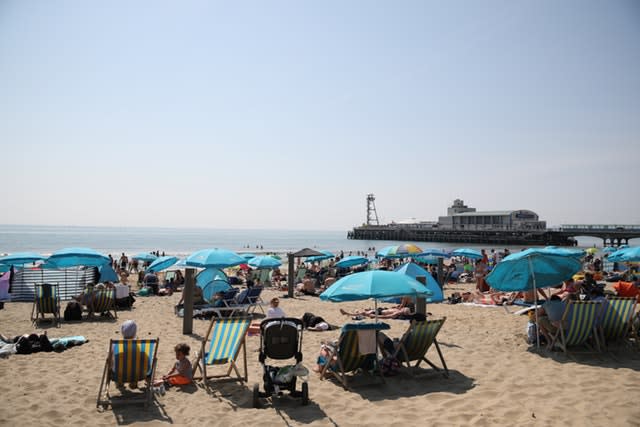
(376,284)
(247,256)
(532,269)
(146,257)
(591,251)
(262,262)
(74,257)
(631,254)
(414,270)
(162,263)
(351,261)
(325,255)
(431,260)
(467,253)
(20,258)
(400,251)
(609,249)
(216,258)
(623,247)
(434,253)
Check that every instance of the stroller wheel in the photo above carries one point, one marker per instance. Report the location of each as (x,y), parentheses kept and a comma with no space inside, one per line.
(256,396)
(305,393)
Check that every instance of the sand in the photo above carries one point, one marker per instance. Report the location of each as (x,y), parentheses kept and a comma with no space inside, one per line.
(495,378)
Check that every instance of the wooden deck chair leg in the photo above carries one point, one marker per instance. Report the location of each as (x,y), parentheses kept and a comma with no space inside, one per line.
(244,356)
(104,382)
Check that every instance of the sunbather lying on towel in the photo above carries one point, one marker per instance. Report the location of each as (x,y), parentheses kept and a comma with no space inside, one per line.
(490,298)
(382,313)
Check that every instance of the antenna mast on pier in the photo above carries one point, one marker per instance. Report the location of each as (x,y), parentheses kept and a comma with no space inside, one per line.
(372,214)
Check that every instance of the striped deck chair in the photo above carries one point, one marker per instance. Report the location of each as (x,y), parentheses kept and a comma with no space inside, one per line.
(254,299)
(346,356)
(617,318)
(226,337)
(46,300)
(104,301)
(415,343)
(578,324)
(129,361)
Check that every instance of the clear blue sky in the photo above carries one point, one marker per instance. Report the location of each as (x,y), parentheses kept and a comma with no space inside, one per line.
(285,114)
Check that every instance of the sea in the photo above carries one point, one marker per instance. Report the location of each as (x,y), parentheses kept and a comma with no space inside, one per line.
(184,241)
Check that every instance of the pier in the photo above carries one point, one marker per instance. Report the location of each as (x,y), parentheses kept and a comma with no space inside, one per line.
(464,224)
(613,235)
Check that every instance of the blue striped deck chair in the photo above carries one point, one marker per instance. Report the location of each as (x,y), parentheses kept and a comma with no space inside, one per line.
(129,361)
(577,326)
(226,337)
(104,301)
(254,300)
(415,343)
(46,300)
(617,318)
(346,356)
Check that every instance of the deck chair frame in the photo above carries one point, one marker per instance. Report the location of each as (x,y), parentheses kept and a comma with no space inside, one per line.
(617,319)
(416,342)
(226,352)
(108,374)
(103,302)
(46,305)
(578,324)
(337,366)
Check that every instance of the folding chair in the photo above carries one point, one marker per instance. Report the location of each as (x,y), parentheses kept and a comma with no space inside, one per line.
(226,337)
(417,340)
(129,361)
(104,301)
(346,357)
(46,300)
(578,324)
(617,318)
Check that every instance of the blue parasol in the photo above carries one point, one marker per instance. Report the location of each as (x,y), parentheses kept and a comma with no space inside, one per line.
(162,263)
(74,257)
(352,261)
(216,258)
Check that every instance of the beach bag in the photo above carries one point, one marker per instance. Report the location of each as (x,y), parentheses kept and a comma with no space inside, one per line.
(73,311)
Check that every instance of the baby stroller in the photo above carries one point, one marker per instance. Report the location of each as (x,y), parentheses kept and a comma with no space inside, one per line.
(281,339)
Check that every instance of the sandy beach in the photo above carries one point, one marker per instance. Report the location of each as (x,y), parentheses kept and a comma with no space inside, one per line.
(495,378)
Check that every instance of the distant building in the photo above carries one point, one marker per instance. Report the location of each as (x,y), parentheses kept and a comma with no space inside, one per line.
(461,217)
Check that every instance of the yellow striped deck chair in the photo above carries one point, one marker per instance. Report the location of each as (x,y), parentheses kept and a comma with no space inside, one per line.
(104,301)
(347,357)
(617,317)
(415,343)
(226,337)
(129,361)
(46,300)
(577,326)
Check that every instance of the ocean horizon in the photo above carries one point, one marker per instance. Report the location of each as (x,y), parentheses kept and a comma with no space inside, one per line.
(46,239)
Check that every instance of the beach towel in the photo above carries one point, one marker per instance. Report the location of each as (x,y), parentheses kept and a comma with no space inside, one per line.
(367,341)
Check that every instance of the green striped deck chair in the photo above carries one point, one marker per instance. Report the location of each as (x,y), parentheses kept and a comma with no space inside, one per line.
(104,301)
(226,337)
(347,358)
(129,361)
(578,324)
(415,343)
(617,317)
(46,300)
